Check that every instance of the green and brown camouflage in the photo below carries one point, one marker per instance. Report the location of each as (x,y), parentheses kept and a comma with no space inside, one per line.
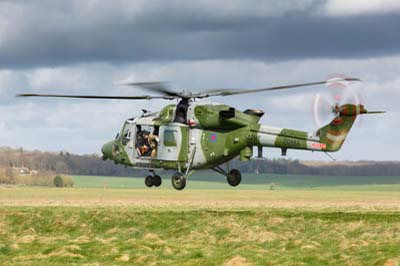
(334,134)
(191,135)
(215,134)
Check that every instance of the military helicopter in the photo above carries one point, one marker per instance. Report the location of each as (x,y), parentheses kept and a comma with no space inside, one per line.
(193,135)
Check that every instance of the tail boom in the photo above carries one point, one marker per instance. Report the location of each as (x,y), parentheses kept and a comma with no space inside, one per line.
(329,138)
(289,139)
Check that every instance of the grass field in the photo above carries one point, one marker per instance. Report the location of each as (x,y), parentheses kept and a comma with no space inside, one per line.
(209,223)
(212,180)
(121,236)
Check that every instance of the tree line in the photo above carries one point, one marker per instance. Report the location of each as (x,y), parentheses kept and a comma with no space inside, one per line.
(92,164)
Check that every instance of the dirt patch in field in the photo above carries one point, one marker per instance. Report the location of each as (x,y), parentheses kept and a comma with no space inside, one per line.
(392,262)
(124,258)
(154,239)
(81,240)
(106,240)
(26,239)
(238,261)
(148,259)
(51,239)
(112,230)
(61,253)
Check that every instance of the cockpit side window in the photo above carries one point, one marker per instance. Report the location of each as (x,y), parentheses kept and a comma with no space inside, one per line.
(126,134)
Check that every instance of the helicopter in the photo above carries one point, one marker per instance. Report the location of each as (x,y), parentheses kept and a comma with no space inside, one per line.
(194,135)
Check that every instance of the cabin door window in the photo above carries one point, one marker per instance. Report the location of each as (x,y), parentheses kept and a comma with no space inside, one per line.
(147,141)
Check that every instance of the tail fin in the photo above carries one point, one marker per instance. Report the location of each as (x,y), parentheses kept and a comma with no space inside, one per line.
(334,134)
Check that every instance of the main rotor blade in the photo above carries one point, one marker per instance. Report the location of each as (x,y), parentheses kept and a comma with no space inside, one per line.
(158,86)
(143,97)
(228,92)
(170,95)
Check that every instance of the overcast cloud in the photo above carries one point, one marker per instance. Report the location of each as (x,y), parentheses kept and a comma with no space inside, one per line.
(43,33)
(90,46)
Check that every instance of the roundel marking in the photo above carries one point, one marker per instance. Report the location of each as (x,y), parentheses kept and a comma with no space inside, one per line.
(213,137)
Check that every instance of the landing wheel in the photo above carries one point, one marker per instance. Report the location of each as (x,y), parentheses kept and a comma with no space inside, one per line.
(178,181)
(149,181)
(234,177)
(157,180)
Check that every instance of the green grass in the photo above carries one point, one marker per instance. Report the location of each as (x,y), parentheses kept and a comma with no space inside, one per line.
(118,221)
(133,182)
(211,180)
(138,236)
(299,180)
(46,195)
(107,182)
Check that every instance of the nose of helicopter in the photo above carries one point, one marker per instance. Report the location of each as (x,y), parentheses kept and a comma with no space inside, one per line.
(106,150)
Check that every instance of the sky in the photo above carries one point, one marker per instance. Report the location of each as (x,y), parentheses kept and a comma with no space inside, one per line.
(91,47)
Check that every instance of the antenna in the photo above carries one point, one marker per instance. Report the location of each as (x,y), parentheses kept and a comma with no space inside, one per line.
(330,156)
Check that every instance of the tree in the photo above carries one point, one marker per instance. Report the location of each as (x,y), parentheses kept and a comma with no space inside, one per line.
(7,176)
(58,181)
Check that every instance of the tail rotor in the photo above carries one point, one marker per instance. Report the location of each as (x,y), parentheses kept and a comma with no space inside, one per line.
(326,104)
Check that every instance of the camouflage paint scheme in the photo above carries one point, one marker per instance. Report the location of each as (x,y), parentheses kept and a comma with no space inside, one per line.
(216,133)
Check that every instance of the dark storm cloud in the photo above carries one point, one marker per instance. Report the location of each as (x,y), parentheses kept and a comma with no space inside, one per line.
(60,33)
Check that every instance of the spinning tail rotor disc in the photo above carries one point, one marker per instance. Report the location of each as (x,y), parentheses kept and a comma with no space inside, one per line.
(339,92)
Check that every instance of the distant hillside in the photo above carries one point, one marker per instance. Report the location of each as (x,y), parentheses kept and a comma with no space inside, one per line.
(64,162)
